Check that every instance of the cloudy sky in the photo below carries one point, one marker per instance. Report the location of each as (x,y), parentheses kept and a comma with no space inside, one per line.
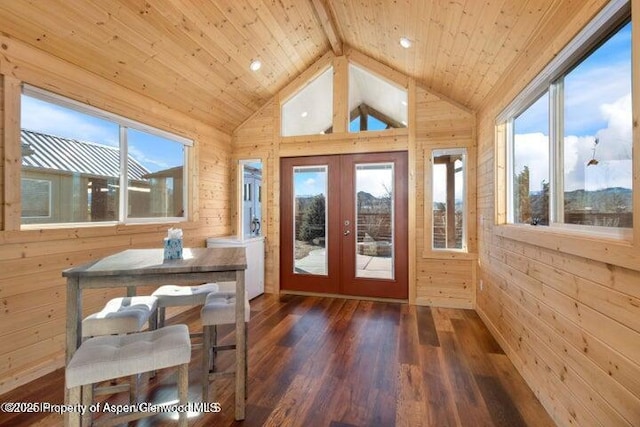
(440,183)
(311,181)
(154,152)
(597,105)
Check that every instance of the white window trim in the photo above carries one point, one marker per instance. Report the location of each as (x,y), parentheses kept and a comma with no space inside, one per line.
(613,13)
(63,101)
(124,123)
(465,209)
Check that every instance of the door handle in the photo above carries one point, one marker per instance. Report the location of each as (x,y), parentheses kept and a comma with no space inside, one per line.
(347,232)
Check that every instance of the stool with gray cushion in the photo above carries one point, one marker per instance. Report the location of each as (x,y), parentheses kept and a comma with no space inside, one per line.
(218,310)
(106,357)
(121,316)
(177,296)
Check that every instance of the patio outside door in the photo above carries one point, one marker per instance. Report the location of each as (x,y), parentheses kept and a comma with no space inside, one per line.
(343,224)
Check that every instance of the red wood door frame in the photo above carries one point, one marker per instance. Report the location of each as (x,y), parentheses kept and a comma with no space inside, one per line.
(366,286)
(289,279)
(340,248)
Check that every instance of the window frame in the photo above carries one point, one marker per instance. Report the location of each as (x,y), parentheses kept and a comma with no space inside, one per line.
(292,97)
(245,193)
(510,152)
(611,19)
(378,115)
(469,245)
(124,124)
(463,152)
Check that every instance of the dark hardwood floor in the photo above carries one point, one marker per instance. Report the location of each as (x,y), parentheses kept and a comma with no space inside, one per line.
(336,362)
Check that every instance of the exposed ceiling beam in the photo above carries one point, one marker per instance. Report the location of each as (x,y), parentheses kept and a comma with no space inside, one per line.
(329,24)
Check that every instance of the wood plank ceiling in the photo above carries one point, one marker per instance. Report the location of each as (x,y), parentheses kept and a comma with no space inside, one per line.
(194,55)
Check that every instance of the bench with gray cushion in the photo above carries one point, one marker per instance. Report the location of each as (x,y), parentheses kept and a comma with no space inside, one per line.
(103,358)
(219,310)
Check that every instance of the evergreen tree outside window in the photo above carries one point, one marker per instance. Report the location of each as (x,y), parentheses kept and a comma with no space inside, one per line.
(531,164)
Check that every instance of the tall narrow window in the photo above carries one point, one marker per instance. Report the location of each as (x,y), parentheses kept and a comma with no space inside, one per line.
(251,225)
(531,164)
(449,212)
(310,224)
(374,218)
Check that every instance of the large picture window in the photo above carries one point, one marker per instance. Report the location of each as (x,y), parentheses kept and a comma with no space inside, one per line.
(597,143)
(569,134)
(98,167)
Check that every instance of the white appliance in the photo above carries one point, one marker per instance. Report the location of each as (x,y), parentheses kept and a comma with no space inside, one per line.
(254,275)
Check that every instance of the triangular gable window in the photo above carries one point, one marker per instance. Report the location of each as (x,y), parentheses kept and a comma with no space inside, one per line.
(364,117)
(310,111)
(374,103)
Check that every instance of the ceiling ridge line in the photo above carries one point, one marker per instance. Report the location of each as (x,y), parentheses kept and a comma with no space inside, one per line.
(329,25)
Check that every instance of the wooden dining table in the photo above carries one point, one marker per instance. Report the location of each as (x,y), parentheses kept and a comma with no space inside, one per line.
(142,267)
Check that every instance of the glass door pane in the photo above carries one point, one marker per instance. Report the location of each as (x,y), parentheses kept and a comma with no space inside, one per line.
(374,220)
(310,220)
(251,198)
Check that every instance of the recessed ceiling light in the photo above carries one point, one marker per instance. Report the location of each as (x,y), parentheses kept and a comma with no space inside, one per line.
(405,42)
(304,114)
(255,65)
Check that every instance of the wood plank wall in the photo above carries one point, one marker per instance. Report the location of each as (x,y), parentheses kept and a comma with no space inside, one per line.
(256,139)
(442,280)
(32,290)
(565,309)
(2,151)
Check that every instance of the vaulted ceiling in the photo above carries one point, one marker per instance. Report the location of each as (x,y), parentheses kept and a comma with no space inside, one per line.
(194,55)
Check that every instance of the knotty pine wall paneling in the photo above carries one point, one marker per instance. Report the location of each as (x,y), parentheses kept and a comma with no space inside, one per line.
(32,289)
(255,139)
(444,278)
(565,308)
(2,153)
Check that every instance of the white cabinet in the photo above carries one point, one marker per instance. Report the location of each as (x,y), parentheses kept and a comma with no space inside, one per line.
(254,275)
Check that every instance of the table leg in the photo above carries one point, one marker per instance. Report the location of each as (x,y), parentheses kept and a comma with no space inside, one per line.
(241,343)
(74,325)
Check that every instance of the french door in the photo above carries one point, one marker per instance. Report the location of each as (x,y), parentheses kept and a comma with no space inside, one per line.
(343,224)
